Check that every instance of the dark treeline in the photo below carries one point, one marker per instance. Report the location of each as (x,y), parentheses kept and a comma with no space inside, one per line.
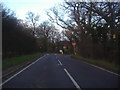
(94,26)
(15,41)
(19,39)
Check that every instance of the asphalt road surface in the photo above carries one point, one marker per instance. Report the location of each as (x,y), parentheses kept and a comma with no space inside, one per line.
(61,71)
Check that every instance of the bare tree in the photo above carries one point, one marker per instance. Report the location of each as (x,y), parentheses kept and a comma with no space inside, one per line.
(33,19)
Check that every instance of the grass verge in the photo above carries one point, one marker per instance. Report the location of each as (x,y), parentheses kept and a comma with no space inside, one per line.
(10,62)
(101,63)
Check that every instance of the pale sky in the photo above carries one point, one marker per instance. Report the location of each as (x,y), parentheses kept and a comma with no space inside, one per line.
(21,7)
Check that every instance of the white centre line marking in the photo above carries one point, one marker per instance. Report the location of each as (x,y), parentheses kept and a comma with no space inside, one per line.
(60,62)
(20,71)
(74,82)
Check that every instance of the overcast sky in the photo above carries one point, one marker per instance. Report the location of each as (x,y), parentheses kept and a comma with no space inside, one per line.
(21,7)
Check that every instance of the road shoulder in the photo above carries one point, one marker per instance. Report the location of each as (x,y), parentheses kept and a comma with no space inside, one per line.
(7,73)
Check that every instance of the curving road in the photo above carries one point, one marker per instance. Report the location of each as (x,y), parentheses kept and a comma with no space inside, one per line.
(61,71)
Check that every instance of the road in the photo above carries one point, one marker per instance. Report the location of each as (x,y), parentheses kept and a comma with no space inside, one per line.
(61,71)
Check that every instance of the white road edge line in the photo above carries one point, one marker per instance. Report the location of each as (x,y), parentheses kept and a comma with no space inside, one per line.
(21,71)
(74,82)
(60,62)
(102,69)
